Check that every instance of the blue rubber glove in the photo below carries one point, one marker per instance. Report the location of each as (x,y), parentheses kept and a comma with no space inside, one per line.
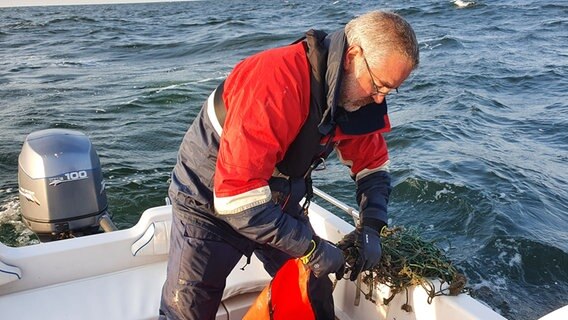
(367,242)
(324,258)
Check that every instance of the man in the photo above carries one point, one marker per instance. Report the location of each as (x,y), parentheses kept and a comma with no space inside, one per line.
(244,165)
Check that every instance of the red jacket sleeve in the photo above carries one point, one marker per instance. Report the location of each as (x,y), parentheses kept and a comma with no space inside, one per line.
(364,154)
(267,99)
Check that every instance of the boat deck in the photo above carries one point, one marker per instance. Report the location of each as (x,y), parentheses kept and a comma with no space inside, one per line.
(119,275)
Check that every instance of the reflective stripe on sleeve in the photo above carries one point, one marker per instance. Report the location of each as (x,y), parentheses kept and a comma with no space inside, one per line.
(365,172)
(243,201)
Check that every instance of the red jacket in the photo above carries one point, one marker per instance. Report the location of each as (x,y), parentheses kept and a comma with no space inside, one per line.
(267,97)
(224,166)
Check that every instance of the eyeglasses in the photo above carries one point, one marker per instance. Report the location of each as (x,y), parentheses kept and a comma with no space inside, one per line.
(376,88)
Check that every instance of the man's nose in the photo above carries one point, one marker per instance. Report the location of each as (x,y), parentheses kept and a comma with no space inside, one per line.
(378,98)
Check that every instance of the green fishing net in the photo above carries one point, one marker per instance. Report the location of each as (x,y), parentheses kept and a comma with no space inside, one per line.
(408,261)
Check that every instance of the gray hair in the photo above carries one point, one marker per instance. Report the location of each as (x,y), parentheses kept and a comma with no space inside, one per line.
(380,33)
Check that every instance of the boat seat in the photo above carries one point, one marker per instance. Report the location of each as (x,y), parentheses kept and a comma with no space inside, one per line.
(143,287)
(243,286)
(252,279)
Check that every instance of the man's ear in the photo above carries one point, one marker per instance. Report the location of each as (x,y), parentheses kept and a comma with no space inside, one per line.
(349,60)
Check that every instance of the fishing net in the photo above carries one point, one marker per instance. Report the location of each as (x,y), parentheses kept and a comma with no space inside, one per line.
(408,261)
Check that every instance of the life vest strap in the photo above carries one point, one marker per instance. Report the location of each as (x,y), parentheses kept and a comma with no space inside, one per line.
(219,104)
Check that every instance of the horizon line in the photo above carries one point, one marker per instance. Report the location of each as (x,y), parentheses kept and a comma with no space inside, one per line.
(53,3)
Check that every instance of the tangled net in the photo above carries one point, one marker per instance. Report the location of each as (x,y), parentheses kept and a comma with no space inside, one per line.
(408,261)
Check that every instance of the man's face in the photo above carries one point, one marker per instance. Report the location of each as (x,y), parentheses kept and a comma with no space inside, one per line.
(364,82)
(352,95)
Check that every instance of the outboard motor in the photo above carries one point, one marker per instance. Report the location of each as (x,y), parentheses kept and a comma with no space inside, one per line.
(62,192)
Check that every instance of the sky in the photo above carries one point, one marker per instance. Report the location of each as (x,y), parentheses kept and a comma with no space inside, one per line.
(25,3)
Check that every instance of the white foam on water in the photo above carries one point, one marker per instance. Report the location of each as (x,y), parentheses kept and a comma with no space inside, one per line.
(463,4)
(173,86)
(10,213)
(212,79)
(516,260)
(444,191)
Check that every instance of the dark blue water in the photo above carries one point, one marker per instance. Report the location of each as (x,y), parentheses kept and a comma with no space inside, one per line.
(479,145)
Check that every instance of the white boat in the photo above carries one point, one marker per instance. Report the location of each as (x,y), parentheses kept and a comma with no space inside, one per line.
(118,275)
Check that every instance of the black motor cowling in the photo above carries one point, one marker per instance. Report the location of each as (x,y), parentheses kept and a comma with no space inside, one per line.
(62,192)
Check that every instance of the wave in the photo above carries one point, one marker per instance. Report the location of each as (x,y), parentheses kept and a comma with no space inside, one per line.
(555,6)
(13,232)
(553,23)
(21,24)
(411,11)
(24,68)
(26,24)
(210,21)
(72,19)
(149,46)
(504,263)
(445,42)
(494,249)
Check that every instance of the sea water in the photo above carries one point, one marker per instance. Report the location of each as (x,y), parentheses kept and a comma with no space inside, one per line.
(479,145)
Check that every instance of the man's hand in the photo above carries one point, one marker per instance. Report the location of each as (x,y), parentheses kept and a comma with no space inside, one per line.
(367,242)
(324,258)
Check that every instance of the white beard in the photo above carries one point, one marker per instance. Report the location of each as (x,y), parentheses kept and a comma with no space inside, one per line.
(351,108)
(349,88)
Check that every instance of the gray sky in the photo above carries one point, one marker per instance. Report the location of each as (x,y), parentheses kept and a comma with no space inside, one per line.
(23,3)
